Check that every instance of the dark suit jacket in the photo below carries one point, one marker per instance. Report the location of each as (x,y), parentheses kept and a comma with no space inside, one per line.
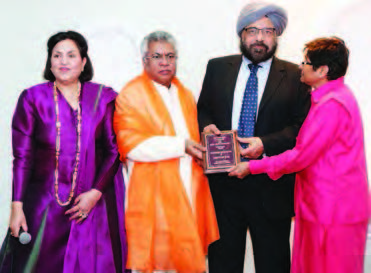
(283,108)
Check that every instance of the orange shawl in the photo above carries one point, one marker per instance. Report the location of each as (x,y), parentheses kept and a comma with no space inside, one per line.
(164,233)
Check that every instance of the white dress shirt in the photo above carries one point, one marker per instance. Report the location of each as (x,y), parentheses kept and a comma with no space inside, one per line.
(166,147)
(243,76)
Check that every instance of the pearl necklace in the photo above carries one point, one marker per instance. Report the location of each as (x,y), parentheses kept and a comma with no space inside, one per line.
(58,146)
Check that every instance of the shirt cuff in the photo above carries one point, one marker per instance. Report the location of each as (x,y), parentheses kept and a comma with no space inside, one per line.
(158,148)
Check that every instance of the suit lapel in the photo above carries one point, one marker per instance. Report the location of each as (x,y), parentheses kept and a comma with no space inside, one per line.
(276,74)
(231,80)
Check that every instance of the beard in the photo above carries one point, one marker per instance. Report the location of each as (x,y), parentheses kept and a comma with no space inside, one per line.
(257,55)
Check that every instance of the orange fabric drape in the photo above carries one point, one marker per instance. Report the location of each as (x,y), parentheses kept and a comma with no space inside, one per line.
(163,230)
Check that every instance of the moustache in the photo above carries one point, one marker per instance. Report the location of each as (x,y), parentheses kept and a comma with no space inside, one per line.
(259,44)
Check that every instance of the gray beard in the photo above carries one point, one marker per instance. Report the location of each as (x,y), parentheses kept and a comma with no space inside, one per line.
(256,55)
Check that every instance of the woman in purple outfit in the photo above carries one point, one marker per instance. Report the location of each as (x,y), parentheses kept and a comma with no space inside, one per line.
(68,189)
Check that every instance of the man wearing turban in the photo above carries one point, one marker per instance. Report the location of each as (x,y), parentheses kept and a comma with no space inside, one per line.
(262,98)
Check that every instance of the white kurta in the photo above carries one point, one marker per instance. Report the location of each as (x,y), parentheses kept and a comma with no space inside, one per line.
(166,147)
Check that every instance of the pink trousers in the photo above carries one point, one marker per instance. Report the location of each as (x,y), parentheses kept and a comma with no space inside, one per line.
(328,248)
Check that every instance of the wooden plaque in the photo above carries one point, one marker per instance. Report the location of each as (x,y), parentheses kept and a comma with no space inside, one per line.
(222,151)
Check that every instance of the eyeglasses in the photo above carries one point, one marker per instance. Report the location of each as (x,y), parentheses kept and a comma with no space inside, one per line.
(158,57)
(253,31)
(308,63)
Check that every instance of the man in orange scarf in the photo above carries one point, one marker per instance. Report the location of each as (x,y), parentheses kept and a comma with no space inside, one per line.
(170,217)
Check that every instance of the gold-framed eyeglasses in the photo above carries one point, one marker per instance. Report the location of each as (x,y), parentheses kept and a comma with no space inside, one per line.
(170,57)
(266,31)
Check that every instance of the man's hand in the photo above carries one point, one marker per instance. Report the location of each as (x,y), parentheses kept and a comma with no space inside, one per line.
(194,149)
(241,170)
(255,148)
(212,129)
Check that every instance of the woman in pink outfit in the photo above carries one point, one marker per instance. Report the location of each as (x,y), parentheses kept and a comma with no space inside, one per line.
(331,191)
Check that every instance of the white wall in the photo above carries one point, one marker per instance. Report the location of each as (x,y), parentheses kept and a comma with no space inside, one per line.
(203,28)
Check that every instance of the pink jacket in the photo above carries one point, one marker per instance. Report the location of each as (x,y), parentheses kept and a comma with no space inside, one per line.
(329,158)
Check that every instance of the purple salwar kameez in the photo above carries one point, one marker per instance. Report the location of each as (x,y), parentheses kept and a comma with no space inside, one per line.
(98,244)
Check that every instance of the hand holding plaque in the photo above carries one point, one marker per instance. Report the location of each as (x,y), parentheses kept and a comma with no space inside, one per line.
(194,149)
(222,151)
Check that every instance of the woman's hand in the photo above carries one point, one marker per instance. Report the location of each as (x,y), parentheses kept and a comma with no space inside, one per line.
(17,219)
(83,204)
(241,170)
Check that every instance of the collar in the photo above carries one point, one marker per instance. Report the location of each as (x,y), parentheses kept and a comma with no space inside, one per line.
(321,91)
(163,87)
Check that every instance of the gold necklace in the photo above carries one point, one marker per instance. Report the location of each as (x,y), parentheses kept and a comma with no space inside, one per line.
(58,146)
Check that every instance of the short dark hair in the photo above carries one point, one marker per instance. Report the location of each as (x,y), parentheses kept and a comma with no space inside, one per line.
(331,52)
(81,44)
